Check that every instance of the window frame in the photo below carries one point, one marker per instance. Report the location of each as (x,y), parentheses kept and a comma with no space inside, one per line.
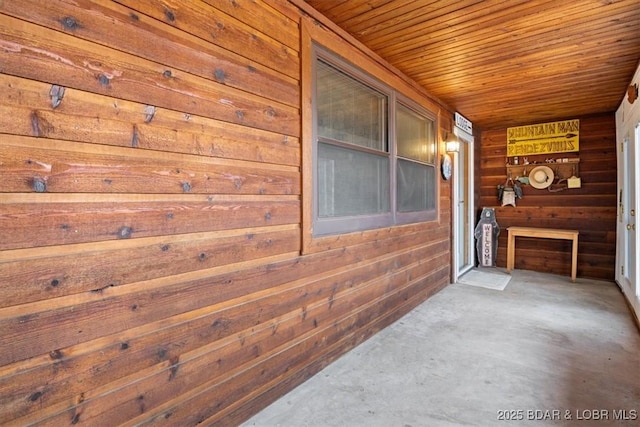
(429,214)
(324,226)
(314,34)
(346,224)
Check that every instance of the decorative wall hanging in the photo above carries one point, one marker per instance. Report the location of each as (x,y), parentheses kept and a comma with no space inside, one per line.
(555,137)
(632,93)
(446,166)
(563,170)
(486,234)
(541,177)
(508,192)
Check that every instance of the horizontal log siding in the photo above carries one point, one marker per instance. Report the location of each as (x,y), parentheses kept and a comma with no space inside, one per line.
(152,221)
(590,209)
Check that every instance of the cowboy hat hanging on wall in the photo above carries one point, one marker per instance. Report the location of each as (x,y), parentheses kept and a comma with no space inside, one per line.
(541,177)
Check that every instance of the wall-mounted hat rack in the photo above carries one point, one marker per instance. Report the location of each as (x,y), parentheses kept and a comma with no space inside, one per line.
(564,169)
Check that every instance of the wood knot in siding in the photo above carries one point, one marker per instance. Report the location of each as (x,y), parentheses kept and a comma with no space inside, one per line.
(36,396)
(56,94)
(39,125)
(104,80)
(219,75)
(170,15)
(125,232)
(56,354)
(70,23)
(39,185)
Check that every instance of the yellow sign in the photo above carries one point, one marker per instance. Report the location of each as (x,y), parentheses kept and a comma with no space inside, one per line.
(545,138)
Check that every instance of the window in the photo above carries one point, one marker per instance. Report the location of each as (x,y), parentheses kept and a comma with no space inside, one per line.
(374,152)
(416,175)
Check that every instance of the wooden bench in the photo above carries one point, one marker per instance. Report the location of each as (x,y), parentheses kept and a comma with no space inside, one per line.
(542,233)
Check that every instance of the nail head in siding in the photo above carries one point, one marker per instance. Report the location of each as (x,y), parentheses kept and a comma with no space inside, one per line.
(267,216)
(171,16)
(167,74)
(56,94)
(186,187)
(55,282)
(240,115)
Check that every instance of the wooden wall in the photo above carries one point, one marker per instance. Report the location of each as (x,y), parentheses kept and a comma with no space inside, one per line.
(150,260)
(590,209)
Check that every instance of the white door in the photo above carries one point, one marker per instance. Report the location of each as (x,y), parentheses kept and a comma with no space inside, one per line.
(628,240)
(463,215)
(631,218)
(627,233)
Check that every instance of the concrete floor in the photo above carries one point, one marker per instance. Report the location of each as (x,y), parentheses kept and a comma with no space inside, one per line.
(542,352)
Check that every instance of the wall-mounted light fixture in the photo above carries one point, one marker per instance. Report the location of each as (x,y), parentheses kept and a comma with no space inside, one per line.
(451,143)
(452,146)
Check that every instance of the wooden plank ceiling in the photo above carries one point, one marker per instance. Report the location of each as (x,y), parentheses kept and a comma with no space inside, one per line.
(504,62)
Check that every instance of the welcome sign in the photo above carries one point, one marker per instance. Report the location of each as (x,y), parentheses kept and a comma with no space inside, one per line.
(487,246)
(544,138)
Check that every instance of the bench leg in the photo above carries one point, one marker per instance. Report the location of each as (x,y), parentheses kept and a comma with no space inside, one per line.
(574,259)
(511,252)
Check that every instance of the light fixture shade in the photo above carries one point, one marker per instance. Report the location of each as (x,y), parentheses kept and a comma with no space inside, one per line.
(452,146)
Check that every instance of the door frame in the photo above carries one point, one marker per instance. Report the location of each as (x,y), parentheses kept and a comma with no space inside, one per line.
(628,194)
(458,175)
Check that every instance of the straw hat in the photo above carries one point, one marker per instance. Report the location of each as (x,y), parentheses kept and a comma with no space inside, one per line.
(541,177)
